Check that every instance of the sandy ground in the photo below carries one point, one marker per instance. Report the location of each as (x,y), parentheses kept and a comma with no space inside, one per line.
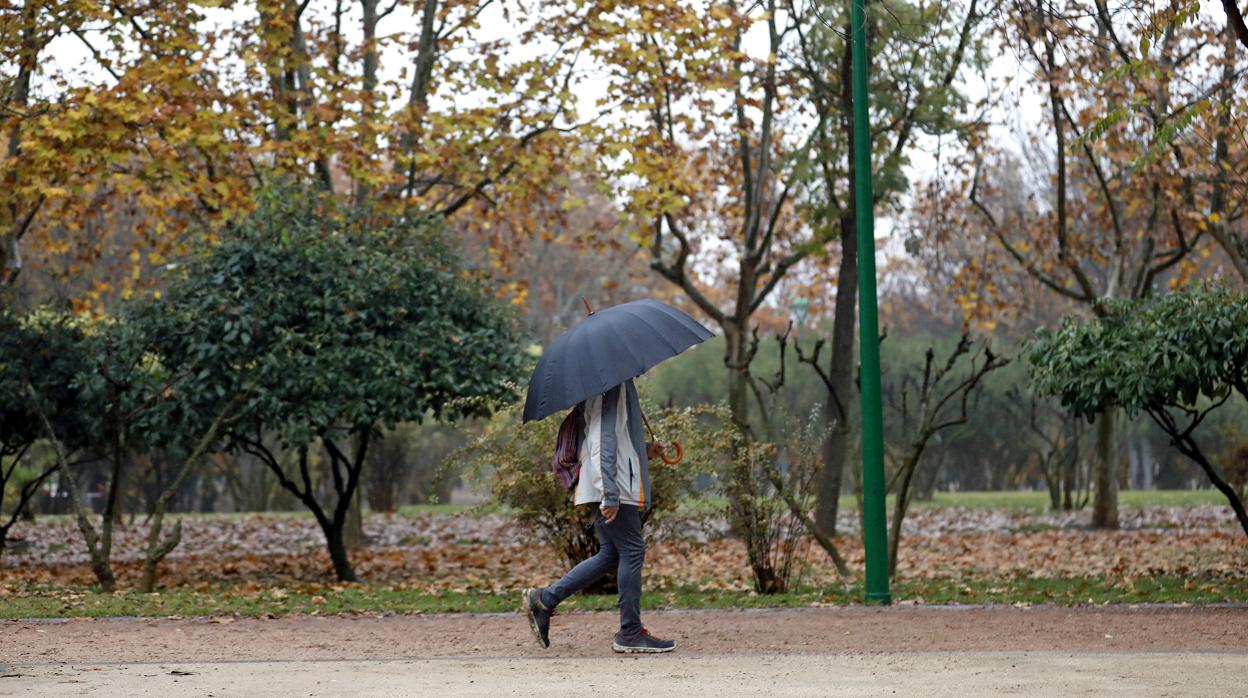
(809,652)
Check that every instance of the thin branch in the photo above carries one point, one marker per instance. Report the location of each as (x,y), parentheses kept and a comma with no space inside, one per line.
(335,457)
(795,507)
(1030,267)
(386,13)
(951,73)
(16,458)
(480,187)
(677,272)
(99,58)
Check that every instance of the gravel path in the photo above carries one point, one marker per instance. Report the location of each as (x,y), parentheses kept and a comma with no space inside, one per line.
(939,674)
(1156,651)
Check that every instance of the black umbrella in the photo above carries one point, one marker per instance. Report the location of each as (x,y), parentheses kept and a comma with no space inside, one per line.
(606,349)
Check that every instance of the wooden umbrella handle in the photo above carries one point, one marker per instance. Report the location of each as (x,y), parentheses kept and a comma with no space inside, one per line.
(680,454)
(680,451)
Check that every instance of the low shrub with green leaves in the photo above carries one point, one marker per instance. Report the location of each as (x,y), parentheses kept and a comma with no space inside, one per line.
(42,356)
(514,461)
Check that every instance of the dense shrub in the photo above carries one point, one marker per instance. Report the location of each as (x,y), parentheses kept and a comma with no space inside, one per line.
(41,358)
(514,462)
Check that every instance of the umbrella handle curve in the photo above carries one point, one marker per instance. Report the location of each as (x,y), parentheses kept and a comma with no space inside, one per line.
(680,454)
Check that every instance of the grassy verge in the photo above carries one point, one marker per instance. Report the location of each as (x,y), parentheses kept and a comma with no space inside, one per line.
(1017,502)
(423,509)
(365,599)
(1039,501)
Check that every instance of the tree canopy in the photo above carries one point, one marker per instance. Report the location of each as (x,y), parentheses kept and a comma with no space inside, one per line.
(1176,359)
(323,325)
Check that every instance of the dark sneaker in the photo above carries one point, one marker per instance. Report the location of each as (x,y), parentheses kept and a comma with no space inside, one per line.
(641,643)
(539,617)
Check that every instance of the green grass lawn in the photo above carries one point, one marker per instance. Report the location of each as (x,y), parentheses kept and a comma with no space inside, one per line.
(1036,502)
(423,509)
(368,599)
(1039,501)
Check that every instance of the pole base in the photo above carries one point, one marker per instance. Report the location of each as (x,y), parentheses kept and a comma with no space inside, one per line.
(879,598)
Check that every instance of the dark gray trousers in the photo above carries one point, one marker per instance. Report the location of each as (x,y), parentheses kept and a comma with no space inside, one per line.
(621,547)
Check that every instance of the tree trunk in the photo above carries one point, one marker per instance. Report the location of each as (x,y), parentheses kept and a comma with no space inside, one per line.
(1070,469)
(902,503)
(303,73)
(417,98)
(736,359)
(1232,497)
(99,562)
(1105,502)
(13,221)
(368,108)
(25,494)
(1053,479)
(338,527)
(157,549)
(1123,466)
(841,369)
(841,375)
(353,535)
(1234,243)
(1188,447)
(101,554)
(336,542)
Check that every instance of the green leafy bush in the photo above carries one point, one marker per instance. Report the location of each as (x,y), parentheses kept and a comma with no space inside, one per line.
(42,356)
(316,327)
(514,461)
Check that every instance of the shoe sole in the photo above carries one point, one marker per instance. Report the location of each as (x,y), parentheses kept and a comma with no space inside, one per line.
(528,611)
(625,649)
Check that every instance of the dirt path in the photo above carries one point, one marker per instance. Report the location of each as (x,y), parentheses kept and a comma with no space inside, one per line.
(938,675)
(852,651)
(824,630)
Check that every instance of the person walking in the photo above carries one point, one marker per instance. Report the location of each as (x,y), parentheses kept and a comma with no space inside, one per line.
(615,479)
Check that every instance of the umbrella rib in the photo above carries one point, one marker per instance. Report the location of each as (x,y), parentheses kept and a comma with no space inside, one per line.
(672,347)
(628,346)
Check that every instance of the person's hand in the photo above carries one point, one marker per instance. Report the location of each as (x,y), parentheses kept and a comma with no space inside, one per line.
(608,512)
(654,449)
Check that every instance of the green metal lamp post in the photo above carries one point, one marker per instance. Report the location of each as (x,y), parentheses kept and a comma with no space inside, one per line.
(875,535)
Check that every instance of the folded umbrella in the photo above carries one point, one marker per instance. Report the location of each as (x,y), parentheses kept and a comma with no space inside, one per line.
(604,350)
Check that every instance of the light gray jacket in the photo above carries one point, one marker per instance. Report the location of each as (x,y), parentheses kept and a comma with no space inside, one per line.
(614,467)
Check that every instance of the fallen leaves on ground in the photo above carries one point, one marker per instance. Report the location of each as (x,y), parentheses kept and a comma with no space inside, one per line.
(476,553)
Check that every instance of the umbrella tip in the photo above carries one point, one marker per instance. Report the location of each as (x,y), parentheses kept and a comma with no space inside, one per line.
(587,308)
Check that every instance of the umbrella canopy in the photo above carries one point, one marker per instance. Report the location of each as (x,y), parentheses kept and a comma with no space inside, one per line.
(606,349)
